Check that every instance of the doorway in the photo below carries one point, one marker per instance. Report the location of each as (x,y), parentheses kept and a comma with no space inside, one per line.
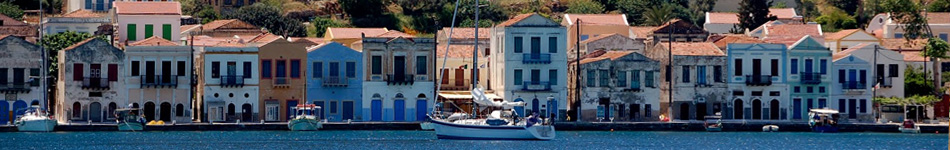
(774,110)
(684,111)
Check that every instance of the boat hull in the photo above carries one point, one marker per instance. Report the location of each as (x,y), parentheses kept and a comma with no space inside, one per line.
(713,129)
(770,128)
(429,126)
(131,126)
(910,130)
(444,130)
(304,125)
(41,125)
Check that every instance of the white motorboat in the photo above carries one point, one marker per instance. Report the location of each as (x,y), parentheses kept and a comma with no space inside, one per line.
(503,124)
(35,119)
(129,120)
(770,128)
(305,119)
(713,126)
(909,127)
(823,120)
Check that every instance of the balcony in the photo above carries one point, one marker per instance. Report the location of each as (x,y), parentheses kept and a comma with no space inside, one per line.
(232,81)
(536,86)
(281,82)
(810,78)
(335,82)
(703,84)
(400,79)
(853,86)
(536,58)
(758,80)
(23,87)
(886,82)
(457,84)
(95,83)
(158,81)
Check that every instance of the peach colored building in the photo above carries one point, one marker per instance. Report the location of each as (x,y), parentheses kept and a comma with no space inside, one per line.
(347,36)
(283,75)
(594,25)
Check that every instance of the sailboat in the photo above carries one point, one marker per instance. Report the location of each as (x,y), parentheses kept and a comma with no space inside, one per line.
(35,119)
(502,123)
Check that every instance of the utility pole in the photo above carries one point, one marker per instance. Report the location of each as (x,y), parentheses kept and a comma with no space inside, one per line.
(669,72)
(577,67)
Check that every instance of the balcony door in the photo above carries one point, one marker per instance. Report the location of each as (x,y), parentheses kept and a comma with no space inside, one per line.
(399,67)
(166,71)
(756,68)
(149,72)
(232,68)
(459,77)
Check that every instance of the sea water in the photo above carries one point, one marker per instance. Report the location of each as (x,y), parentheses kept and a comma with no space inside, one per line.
(426,140)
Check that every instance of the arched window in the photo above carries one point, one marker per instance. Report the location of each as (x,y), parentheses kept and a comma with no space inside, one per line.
(180,110)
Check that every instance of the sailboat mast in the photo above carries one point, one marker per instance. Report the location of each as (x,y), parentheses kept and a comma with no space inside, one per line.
(475,56)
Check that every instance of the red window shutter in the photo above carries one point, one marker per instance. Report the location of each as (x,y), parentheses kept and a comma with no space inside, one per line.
(113,72)
(77,72)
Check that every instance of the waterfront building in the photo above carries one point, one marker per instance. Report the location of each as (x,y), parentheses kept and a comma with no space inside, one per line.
(89,86)
(779,32)
(159,77)
(398,85)
(529,64)
(852,91)
(456,65)
(84,21)
(283,77)
(699,84)
(227,87)
(609,42)
(139,20)
(348,36)
(617,86)
(888,71)
(681,31)
(725,22)
(758,81)
(843,39)
(335,82)
(809,82)
(20,77)
(883,26)
(594,25)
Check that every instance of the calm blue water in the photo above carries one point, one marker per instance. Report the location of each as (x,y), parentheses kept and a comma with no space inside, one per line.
(423,140)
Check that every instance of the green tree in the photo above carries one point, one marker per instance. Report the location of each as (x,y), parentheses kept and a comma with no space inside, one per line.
(584,7)
(836,20)
(609,5)
(490,12)
(635,9)
(916,82)
(939,6)
(754,13)
(848,6)
(320,25)
(808,9)
(906,13)
(362,8)
(53,43)
(936,49)
(699,9)
(270,18)
(10,10)
(658,15)
(780,4)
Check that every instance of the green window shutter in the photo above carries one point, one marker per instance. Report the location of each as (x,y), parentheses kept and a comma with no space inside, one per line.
(130,32)
(149,30)
(167,31)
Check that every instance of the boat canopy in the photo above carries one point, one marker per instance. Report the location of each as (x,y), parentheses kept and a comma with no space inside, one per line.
(307,106)
(479,97)
(824,111)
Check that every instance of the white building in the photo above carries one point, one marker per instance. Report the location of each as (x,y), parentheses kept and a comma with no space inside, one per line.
(89,88)
(158,75)
(844,39)
(20,77)
(529,63)
(888,70)
(757,80)
(141,20)
(399,78)
(84,21)
(227,84)
(851,94)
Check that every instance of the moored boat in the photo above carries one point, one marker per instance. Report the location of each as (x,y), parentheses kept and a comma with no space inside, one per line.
(305,118)
(909,127)
(503,123)
(35,119)
(128,119)
(711,126)
(823,120)
(770,128)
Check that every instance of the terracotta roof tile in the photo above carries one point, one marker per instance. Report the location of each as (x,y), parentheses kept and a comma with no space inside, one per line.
(154,41)
(7,21)
(723,40)
(723,17)
(216,24)
(20,31)
(599,37)
(80,43)
(187,27)
(514,20)
(204,40)
(147,8)
(783,13)
(848,51)
(914,56)
(840,34)
(466,33)
(354,33)
(694,49)
(392,34)
(598,19)
(264,38)
(794,29)
(903,44)
(83,13)
(642,31)
(314,40)
(456,51)
(603,55)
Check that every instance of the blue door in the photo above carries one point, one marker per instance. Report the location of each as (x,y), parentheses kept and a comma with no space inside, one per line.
(320,104)
(421,110)
(4,112)
(377,110)
(19,106)
(399,110)
(347,110)
(290,108)
(552,109)
(534,106)
(520,109)
(798,109)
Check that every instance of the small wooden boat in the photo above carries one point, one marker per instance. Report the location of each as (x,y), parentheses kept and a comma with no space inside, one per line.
(770,128)
(909,127)
(129,120)
(305,118)
(713,123)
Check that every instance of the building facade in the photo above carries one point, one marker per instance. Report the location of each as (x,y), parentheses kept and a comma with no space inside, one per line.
(609,42)
(699,85)
(758,81)
(529,64)
(398,85)
(283,77)
(617,86)
(889,67)
(158,76)
(140,20)
(852,92)
(20,77)
(842,40)
(808,79)
(84,21)
(335,81)
(228,83)
(89,86)
(594,25)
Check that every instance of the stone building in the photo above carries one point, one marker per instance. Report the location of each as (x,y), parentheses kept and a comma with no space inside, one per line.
(608,42)
(20,77)
(89,86)
(697,76)
(617,86)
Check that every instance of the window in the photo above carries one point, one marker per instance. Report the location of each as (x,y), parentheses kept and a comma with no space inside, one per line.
(584,37)
(247,70)
(421,65)
(821,89)
(880,70)
(811,103)
(130,32)
(77,73)
(841,105)
(898,35)
(809,89)
(351,69)
(295,68)
(775,67)
(863,76)
(35,72)
(552,45)
(823,69)
(167,31)
(377,64)
(809,64)
(334,69)
(535,76)
(738,67)
(635,79)
(149,31)
(281,70)
(717,73)
(333,105)
(113,72)
(943,36)
(669,74)
(604,78)
(215,69)
(794,66)
(621,78)
(535,45)
(841,75)
(685,74)
(552,76)
(822,103)
(649,79)
(797,89)
(863,102)
(265,69)
(3,76)
(135,68)
(518,80)
(519,44)
(181,68)
(591,78)
(317,69)
(701,74)
(892,70)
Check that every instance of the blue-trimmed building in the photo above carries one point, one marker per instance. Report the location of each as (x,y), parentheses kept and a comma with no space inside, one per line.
(335,81)
(809,80)
(758,81)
